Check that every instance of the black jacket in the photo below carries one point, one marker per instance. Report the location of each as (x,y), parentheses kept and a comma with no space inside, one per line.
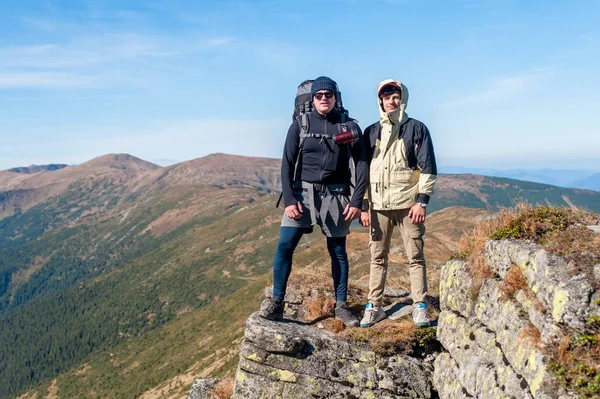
(323,161)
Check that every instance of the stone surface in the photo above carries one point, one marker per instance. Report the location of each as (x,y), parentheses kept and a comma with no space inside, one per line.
(201,388)
(566,297)
(594,228)
(294,360)
(397,310)
(455,285)
(495,342)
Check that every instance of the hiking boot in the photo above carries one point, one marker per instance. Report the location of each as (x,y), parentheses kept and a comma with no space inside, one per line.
(342,312)
(420,314)
(273,309)
(373,314)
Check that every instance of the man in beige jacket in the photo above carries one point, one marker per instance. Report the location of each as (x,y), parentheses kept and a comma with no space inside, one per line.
(402,175)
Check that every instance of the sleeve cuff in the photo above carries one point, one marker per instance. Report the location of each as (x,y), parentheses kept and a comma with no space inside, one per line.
(357,203)
(365,205)
(423,198)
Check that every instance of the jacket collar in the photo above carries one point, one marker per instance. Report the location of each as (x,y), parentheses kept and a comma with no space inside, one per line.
(333,116)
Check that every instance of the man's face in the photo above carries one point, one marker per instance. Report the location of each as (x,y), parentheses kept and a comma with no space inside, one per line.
(391,102)
(324,101)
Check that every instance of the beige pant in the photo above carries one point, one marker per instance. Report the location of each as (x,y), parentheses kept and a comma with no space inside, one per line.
(382,227)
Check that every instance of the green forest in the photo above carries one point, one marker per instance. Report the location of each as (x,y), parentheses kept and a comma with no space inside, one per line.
(103,282)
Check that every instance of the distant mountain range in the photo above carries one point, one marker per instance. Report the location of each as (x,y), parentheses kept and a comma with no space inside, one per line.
(121,278)
(37,168)
(576,178)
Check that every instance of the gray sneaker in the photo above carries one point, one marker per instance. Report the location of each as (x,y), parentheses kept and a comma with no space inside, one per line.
(420,315)
(273,309)
(342,312)
(373,314)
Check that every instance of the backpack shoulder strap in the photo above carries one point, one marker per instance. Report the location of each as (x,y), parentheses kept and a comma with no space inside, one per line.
(304,125)
(342,127)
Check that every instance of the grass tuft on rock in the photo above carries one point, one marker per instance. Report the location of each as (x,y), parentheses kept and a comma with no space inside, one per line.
(392,337)
(223,390)
(575,359)
(561,231)
(318,307)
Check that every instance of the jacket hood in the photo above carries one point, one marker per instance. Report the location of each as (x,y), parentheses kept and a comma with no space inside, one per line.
(399,115)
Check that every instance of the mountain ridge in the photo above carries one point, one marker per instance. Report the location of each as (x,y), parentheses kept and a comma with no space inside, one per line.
(28,170)
(224,170)
(97,255)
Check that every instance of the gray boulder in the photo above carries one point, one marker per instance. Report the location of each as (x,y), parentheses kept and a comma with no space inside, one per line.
(202,387)
(294,360)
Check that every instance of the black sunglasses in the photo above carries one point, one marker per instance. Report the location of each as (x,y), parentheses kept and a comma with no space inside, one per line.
(327,95)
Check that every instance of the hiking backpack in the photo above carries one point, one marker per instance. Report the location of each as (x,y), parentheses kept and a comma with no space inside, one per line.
(303,104)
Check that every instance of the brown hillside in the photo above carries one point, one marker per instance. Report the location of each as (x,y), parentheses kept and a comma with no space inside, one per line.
(132,176)
(6,177)
(225,170)
(95,167)
(24,191)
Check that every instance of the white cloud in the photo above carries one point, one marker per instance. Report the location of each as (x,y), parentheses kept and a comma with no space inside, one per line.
(501,89)
(86,51)
(91,61)
(46,80)
(42,24)
(219,41)
(587,37)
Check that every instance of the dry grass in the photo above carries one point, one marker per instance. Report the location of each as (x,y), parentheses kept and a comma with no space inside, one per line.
(561,353)
(318,307)
(333,325)
(473,241)
(535,301)
(530,333)
(391,337)
(471,245)
(575,362)
(311,277)
(387,337)
(514,281)
(223,390)
(480,271)
(561,231)
(580,247)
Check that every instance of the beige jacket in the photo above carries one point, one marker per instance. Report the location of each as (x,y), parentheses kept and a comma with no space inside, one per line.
(402,167)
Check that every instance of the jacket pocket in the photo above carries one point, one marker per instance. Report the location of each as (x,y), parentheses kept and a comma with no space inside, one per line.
(402,177)
(332,156)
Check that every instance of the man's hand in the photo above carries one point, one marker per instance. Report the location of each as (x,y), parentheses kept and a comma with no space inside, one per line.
(417,214)
(294,211)
(365,218)
(351,212)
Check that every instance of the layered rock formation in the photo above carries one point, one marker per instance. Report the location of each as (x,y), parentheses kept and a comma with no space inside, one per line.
(497,344)
(294,360)
(499,332)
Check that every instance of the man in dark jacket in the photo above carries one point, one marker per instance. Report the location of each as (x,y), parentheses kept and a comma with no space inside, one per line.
(316,177)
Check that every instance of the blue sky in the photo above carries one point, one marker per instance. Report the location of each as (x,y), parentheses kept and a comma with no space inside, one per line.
(501,84)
